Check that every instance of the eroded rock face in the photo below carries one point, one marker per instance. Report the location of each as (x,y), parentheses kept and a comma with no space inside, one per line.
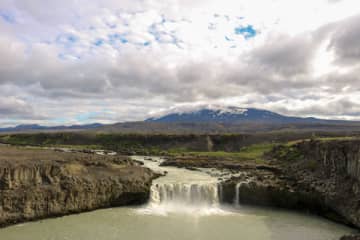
(36,184)
(350,237)
(319,176)
(274,189)
(330,169)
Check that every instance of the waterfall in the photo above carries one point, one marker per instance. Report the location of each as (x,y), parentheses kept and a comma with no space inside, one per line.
(237,193)
(205,194)
(184,198)
(182,191)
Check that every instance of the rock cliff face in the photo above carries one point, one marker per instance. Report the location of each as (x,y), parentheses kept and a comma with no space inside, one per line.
(334,157)
(319,176)
(36,184)
(331,169)
(264,187)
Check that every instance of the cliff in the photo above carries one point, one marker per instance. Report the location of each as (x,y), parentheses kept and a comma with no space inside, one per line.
(331,169)
(36,184)
(319,176)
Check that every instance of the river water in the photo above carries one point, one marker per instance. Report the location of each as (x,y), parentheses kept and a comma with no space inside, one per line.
(184,205)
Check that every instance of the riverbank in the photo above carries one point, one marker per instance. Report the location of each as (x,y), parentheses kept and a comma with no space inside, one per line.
(37,184)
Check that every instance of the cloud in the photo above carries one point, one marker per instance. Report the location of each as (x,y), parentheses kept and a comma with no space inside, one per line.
(124,60)
(286,55)
(344,41)
(13,107)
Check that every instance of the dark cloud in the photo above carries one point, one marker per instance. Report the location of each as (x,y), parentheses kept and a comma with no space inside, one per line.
(286,55)
(16,108)
(345,41)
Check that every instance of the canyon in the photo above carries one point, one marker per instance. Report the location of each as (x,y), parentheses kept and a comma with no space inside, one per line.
(316,176)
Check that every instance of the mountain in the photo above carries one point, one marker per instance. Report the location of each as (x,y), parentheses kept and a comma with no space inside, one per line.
(207,120)
(233,115)
(36,127)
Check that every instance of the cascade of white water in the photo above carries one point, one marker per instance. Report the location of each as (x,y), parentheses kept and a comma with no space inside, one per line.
(184,193)
(184,198)
(237,193)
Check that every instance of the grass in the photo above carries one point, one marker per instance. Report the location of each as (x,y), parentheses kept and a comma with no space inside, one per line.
(251,153)
(75,147)
(324,139)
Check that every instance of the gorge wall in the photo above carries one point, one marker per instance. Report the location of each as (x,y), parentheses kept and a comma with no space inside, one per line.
(318,176)
(334,157)
(36,184)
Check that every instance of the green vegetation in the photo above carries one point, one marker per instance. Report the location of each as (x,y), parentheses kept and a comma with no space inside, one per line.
(289,153)
(250,153)
(232,146)
(324,139)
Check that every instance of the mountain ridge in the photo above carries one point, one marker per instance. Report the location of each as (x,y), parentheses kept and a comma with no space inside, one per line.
(37,127)
(202,120)
(233,114)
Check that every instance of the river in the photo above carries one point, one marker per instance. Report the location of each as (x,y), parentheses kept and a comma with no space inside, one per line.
(184,205)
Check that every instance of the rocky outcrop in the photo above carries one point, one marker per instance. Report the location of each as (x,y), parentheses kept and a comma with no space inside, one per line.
(267,188)
(350,237)
(329,169)
(318,176)
(36,184)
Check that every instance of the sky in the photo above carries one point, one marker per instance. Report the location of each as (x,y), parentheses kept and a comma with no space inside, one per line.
(84,61)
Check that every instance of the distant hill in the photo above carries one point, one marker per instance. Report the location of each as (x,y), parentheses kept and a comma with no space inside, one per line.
(207,120)
(234,115)
(36,128)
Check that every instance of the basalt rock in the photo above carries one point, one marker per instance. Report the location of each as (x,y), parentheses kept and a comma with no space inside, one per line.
(318,176)
(350,237)
(266,188)
(37,184)
(330,169)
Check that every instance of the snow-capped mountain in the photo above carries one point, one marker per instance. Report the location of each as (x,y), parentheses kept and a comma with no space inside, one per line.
(228,114)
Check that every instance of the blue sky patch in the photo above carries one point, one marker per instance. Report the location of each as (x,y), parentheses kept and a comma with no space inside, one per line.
(72,39)
(247,32)
(117,37)
(99,42)
(7,16)
(66,39)
(84,117)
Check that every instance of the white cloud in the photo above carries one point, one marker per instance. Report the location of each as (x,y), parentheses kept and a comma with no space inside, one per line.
(124,59)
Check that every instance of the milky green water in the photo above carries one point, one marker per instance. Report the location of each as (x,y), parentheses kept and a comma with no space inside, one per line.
(183,206)
(127,223)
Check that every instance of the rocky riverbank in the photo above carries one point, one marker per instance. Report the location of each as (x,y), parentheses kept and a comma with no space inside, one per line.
(36,184)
